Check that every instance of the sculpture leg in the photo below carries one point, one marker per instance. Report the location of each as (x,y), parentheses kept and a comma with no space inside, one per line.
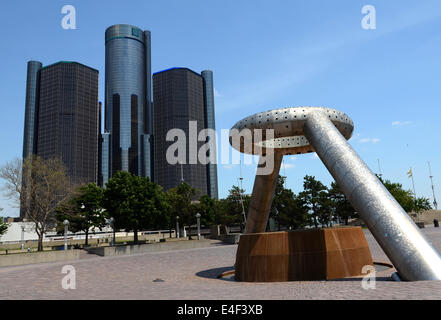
(262,198)
(407,248)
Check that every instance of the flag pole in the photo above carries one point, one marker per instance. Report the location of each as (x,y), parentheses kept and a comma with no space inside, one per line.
(435,204)
(379,169)
(413,182)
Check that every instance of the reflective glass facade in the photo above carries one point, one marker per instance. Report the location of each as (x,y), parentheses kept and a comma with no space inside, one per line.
(207,75)
(68,118)
(105,173)
(31,116)
(31,108)
(128,98)
(178,99)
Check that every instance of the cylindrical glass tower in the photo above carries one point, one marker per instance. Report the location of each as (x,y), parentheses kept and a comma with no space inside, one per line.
(31,108)
(207,75)
(128,98)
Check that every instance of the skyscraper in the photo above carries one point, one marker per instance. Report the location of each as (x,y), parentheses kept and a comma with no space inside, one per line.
(31,108)
(68,118)
(128,105)
(180,96)
(207,75)
(62,118)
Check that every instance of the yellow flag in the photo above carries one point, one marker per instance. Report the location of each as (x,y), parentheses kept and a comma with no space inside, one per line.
(409,173)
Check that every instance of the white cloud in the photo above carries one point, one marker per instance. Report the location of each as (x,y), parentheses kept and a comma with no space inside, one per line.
(401,123)
(288,165)
(369,140)
(216,93)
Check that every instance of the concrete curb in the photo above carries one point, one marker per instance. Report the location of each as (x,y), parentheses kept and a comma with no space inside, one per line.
(150,247)
(17,259)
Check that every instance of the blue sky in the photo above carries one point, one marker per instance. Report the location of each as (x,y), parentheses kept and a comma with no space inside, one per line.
(264,55)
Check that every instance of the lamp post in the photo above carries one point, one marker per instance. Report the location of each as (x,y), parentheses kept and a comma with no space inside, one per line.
(177,226)
(87,231)
(198,219)
(66,224)
(22,236)
(112,222)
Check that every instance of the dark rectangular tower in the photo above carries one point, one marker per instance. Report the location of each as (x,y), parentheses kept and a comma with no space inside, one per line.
(179,97)
(68,118)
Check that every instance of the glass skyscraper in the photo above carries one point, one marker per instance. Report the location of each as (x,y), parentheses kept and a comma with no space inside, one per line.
(105,172)
(207,75)
(68,118)
(180,96)
(31,108)
(128,104)
(62,118)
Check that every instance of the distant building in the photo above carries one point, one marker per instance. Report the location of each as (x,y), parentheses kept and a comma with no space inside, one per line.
(68,118)
(62,117)
(207,75)
(105,169)
(31,108)
(180,96)
(128,105)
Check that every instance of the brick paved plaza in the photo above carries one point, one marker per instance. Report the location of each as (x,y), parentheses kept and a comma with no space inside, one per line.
(191,274)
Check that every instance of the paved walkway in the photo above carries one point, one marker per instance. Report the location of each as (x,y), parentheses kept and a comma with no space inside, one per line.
(190,274)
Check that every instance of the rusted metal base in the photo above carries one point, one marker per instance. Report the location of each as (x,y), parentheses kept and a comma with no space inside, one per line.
(315,254)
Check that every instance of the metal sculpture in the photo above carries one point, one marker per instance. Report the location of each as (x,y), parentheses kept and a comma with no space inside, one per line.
(325,131)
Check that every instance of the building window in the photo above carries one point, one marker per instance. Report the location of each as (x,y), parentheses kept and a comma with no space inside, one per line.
(135,32)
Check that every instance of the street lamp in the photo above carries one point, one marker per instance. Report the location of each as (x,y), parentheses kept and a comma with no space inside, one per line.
(112,222)
(177,226)
(66,224)
(198,219)
(86,241)
(22,236)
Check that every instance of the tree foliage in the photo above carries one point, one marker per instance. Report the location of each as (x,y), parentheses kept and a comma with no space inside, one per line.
(182,204)
(38,187)
(340,205)
(232,208)
(314,198)
(135,203)
(3,225)
(84,211)
(406,198)
(287,208)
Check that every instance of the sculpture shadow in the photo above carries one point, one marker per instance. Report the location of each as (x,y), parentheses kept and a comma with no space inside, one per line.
(215,273)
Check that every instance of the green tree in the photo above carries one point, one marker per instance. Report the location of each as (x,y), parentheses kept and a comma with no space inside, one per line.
(340,205)
(38,186)
(3,225)
(181,203)
(313,198)
(286,208)
(84,211)
(421,204)
(406,198)
(232,208)
(207,207)
(135,203)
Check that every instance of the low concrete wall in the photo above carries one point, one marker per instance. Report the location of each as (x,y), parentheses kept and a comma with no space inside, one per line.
(428,216)
(232,238)
(38,257)
(150,247)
